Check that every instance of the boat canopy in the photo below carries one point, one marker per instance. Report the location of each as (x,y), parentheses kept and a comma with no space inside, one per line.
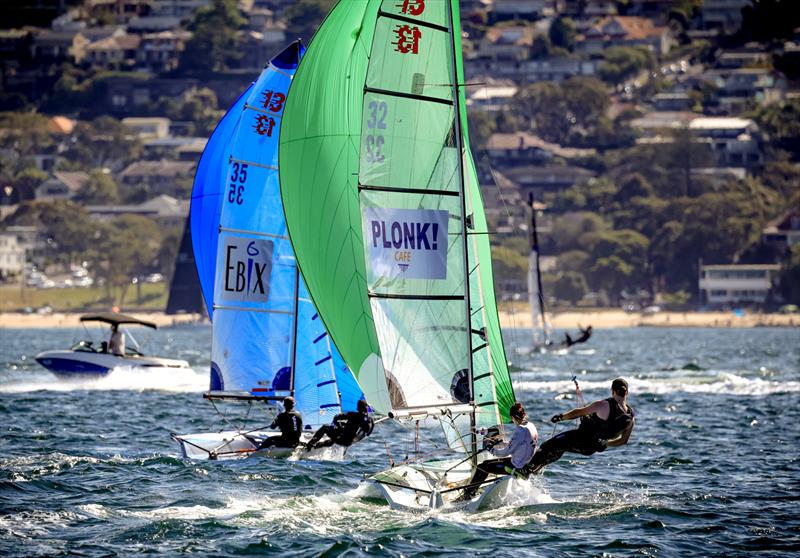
(115,319)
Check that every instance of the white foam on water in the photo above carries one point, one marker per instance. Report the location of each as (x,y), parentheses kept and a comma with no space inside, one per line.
(331,453)
(36,523)
(125,378)
(716,382)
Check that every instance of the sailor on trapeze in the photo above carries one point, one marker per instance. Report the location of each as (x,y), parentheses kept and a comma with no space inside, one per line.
(608,423)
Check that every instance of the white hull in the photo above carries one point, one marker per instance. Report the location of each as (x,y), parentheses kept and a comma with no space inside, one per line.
(236,445)
(432,485)
(66,363)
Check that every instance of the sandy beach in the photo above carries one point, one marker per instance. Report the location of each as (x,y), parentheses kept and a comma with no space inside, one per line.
(599,319)
(612,318)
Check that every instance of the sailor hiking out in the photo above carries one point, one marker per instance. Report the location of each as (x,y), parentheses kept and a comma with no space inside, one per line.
(606,423)
(290,423)
(513,457)
(346,429)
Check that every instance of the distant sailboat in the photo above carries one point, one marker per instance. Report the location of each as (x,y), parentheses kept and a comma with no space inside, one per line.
(268,341)
(384,209)
(185,296)
(539,324)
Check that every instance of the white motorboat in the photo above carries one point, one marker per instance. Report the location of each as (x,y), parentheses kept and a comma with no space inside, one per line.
(85,358)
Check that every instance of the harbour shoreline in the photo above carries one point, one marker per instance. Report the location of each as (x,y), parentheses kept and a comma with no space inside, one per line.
(518,318)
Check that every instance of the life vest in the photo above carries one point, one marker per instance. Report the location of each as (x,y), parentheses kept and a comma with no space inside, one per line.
(617,422)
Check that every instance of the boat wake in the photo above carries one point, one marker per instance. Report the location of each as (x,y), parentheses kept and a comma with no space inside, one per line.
(711,382)
(124,378)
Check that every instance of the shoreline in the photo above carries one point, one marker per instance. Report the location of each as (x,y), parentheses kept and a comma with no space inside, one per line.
(568,320)
(612,318)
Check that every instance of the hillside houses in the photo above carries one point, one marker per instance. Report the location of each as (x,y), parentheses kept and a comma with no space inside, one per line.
(623,31)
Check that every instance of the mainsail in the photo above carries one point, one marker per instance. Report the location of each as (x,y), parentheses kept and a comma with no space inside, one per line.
(268,339)
(384,210)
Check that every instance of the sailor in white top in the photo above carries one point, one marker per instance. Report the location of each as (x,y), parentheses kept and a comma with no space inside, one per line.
(513,456)
(116,344)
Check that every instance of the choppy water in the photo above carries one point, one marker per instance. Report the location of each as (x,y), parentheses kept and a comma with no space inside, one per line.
(88,469)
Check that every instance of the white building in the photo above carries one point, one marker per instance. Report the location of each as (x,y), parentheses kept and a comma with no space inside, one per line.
(12,256)
(736,284)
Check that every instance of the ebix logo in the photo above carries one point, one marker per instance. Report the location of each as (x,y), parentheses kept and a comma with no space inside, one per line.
(246,270)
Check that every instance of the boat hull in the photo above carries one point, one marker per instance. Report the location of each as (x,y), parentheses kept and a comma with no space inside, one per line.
(68,364)
(233,444)
(431,485)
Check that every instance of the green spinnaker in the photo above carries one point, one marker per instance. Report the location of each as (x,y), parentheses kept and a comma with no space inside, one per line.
(372,105)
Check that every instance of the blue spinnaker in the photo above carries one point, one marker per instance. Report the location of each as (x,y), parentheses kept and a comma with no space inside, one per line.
(209,183)
(267,337)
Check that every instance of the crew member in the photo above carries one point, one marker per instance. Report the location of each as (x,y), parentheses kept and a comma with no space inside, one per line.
(117,342)
(290,423)
(513,456)
(608,423)
(584,336)
(346,429)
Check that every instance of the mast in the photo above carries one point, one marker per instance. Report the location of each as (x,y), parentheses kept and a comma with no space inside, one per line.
(534,267)
(294,329)
(464,227)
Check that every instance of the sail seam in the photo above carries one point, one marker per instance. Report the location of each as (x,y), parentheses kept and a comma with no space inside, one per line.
(421,23)
(422,191)
(415,297)
(262,111)
(245,309)
(408,96)
(254,233)
(277,70)
(268,167)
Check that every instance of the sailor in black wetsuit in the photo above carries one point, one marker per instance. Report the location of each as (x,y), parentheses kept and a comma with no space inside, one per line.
(608,423)
(346,430)
(290,423)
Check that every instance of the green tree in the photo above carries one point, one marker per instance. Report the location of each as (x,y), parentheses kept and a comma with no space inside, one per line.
(509,264)
(562,33)
(69,230)
(570,286)
(196,106)
(129,251)
(783,178)
(304,16)
(789,278)
(586,99)
(103,143)
(481,125)
(168,252)
(214,46)
(612,275)
(101,188)
(781,123)
(622,63)
(26,182)
(542,105)
(573,260)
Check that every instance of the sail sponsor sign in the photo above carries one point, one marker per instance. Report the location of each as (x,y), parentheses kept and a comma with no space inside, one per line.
(406,243)
(245,270)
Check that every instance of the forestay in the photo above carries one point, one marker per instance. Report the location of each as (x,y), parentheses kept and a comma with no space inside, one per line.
(380,164)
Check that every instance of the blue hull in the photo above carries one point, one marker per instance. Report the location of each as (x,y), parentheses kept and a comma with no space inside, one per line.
(68,367)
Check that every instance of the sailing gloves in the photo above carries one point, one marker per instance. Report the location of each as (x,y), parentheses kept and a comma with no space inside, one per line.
(557,418)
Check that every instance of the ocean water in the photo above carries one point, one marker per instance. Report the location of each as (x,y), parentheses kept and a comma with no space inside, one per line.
(712,469)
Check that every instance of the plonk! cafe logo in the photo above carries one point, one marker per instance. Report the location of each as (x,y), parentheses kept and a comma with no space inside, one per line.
(405,238)
(248,264)
(407,243)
